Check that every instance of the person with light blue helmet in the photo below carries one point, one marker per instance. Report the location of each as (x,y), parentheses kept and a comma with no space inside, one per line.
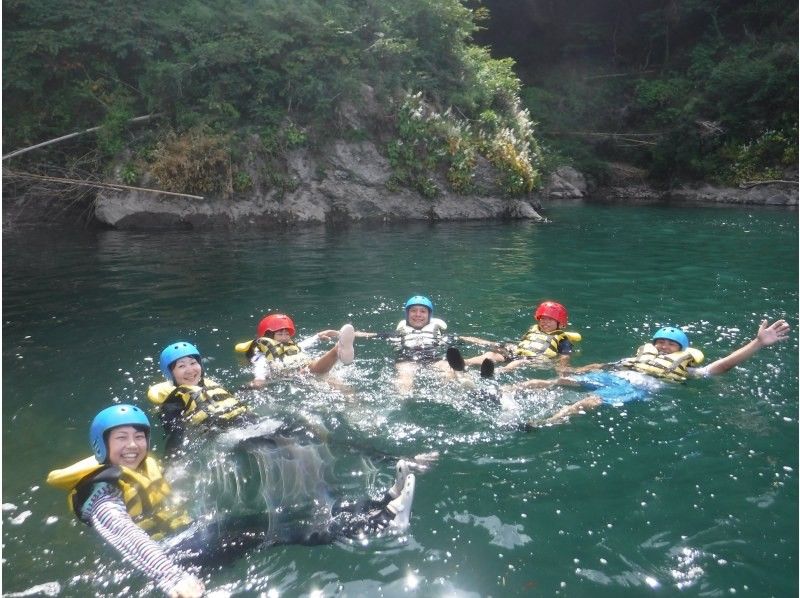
(669,357)
(121,493)
(188,399)
(419,340)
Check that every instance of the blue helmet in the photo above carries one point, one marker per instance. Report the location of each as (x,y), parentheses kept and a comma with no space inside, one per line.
(173,352)
(113,417)
(419,300)
(673,334)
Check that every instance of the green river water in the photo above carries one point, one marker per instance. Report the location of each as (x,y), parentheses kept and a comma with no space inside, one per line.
(692,493)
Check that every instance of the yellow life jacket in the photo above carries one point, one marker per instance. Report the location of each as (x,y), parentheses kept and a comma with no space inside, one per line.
(207,404)
(426,337)
(672,366)
(144,491)
(536,343)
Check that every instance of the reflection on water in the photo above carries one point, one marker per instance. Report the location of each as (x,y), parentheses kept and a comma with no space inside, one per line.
(693,491)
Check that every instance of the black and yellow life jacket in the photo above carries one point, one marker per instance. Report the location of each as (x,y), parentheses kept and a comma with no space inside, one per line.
(671,366)
(206,404)
(144,491)
(270,348)
(536,343)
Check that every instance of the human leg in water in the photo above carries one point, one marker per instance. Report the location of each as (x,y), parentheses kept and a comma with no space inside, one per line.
(344,346)
(342,351)
(406,371)
(582,406)
(215,541)
(392,511)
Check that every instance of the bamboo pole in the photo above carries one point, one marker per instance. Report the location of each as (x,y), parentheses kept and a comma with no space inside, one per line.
(601,134)
(748,184)
(71,135)
(113,186)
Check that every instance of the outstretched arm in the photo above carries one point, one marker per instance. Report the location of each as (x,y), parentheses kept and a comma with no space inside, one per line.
(591,367)
(109,518)
(767,335)
(479,341)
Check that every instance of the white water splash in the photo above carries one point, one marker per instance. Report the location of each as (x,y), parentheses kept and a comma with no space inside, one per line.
(51,588)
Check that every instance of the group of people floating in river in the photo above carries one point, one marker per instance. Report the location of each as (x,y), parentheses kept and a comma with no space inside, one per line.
(120,490)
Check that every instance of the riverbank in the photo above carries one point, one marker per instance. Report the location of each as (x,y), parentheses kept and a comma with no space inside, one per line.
(352,184)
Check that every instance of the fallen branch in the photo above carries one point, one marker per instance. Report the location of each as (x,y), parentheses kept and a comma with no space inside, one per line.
(71,135)
(601,134)
(112,186)
(634,74)
(748,184)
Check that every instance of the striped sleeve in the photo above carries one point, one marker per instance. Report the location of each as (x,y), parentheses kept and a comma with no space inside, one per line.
(107,515)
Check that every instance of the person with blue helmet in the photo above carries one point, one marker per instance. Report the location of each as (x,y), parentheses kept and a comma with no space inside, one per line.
(667,358)
(121,493)
(189,399)
(419,339)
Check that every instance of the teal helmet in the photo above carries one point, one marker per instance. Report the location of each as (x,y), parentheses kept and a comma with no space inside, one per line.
(173,352)
(671,333)
(114,417)
(419,300)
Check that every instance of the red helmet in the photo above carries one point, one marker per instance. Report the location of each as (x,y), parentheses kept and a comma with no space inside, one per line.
(554,310)
(273,323)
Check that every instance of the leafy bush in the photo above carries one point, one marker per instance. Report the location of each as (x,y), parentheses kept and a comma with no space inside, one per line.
(764,158)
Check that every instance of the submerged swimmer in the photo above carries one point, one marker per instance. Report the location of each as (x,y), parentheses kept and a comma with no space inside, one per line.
(546,342)
(274,350)
(668,358)
(121,493)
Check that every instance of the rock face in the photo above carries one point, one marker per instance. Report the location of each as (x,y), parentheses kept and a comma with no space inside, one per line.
(348,185)
(566,183)
(629,185)
(351,183)
(771,194)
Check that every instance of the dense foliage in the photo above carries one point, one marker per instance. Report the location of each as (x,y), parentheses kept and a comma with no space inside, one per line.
(223,72)
(684,88)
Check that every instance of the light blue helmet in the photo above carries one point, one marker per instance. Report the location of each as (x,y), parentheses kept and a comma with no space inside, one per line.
(173,352)
(419,300)
(113,417)
(673,334)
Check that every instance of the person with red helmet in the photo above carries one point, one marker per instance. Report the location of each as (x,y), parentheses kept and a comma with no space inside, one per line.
(274,349)
(545,343)
(667,358)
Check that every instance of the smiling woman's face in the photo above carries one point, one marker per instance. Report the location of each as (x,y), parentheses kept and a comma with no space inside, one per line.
(187,371)
(127,446)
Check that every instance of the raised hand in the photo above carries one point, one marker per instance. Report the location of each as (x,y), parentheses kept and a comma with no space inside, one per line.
(775,332)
